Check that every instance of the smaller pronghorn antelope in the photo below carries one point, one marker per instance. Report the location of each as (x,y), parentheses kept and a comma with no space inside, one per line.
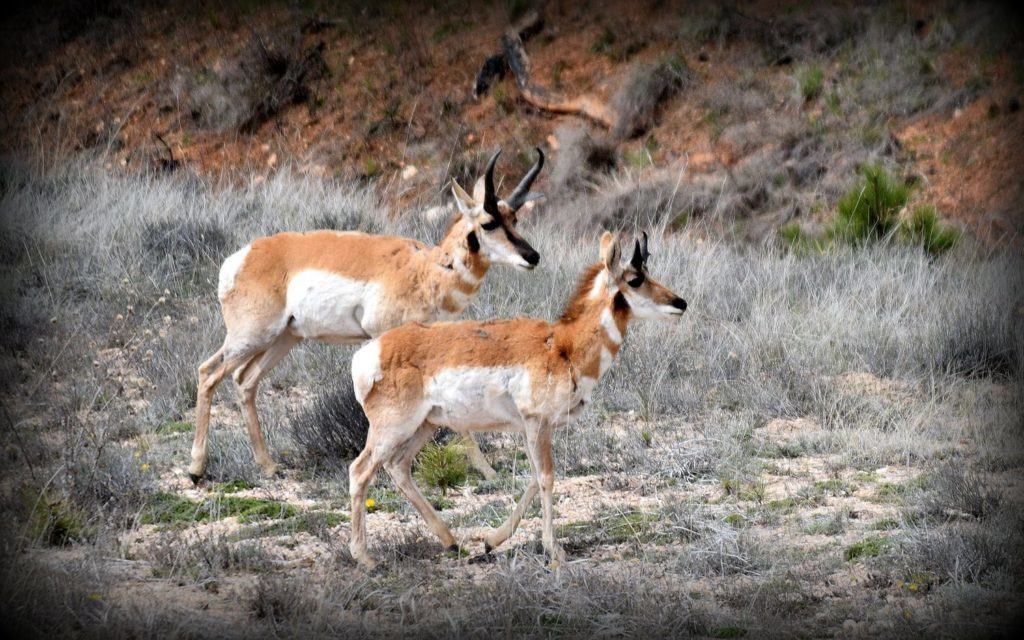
(345,287)
(522,375)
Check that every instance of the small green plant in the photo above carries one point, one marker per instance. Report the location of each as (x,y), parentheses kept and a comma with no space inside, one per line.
(442,466)
(235,486)
(799,240)
(869,210)
(866,548)
(923,228)
(828,525)
(54,520)
(174,427)
(811,79)
(885,524)
(170,508)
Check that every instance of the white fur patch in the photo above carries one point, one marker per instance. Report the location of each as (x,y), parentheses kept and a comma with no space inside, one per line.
(610,328)
(498,249)
(585,387)
(464,272)
(477,397)
(365,369)
(597,290)
(229,271)
(325,305)
(606,361)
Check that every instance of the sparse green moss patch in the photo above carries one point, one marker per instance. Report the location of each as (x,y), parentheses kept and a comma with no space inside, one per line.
(170,508)
(866,548)
(173,428)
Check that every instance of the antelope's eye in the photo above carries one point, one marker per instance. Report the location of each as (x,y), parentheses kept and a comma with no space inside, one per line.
(490,226)
(636,281)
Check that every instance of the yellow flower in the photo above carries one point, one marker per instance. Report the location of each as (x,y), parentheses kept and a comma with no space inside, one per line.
(145,466)
(95,596)
(370,503)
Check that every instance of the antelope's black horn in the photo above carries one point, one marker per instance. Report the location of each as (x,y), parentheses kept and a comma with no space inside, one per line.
(646,253)
(490,199)
(522,194)
(638,257)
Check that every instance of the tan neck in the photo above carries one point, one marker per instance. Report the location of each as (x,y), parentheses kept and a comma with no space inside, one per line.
(592,336)
(464,269)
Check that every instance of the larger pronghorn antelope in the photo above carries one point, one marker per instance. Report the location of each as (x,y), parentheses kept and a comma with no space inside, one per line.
(347,287)
(523,375)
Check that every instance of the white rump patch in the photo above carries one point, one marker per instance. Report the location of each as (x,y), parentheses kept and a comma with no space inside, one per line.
(324,305)
(366,369)
(229,271)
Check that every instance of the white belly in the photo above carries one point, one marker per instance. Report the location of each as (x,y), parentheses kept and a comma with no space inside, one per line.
(479,397)
(329,307)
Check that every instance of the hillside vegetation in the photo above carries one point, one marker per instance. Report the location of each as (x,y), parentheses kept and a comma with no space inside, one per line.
(747,116)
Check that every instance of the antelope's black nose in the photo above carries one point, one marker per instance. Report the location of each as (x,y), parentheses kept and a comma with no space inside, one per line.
(532,257)
(679,303)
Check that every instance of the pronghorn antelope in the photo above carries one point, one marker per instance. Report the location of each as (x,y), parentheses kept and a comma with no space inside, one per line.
(522,375)
(347,287)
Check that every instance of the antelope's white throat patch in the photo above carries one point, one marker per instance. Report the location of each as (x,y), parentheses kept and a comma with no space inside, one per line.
(610,328)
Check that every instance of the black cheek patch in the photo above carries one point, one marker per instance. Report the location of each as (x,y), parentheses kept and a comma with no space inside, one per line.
(474,243)
(619,302)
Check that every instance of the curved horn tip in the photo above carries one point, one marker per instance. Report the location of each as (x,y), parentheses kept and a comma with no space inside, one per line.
(494,158)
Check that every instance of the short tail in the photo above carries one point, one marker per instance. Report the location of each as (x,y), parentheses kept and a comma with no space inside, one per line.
(366,369)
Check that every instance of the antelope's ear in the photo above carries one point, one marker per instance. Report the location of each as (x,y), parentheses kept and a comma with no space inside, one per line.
(479,189)
(463,201)
(610,253)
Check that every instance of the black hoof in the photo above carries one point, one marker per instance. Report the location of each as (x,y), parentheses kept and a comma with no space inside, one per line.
(483,558)
(195,479)
(487,548)
(454,549)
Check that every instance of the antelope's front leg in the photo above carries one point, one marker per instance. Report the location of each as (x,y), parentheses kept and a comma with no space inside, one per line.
(538,443)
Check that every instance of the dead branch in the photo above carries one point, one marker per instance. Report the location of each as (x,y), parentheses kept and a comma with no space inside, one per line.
(540,97)
(169,163)
(495,65)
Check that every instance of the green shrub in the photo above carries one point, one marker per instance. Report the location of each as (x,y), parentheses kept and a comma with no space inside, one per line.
(924,229)
(866,548)
(869,210)
(54,520)
(442,466)
(811,79)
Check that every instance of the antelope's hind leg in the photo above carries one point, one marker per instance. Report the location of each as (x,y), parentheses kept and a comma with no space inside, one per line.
(476,457)
(386,442)
(399,467)
(247,380)
(211,375)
